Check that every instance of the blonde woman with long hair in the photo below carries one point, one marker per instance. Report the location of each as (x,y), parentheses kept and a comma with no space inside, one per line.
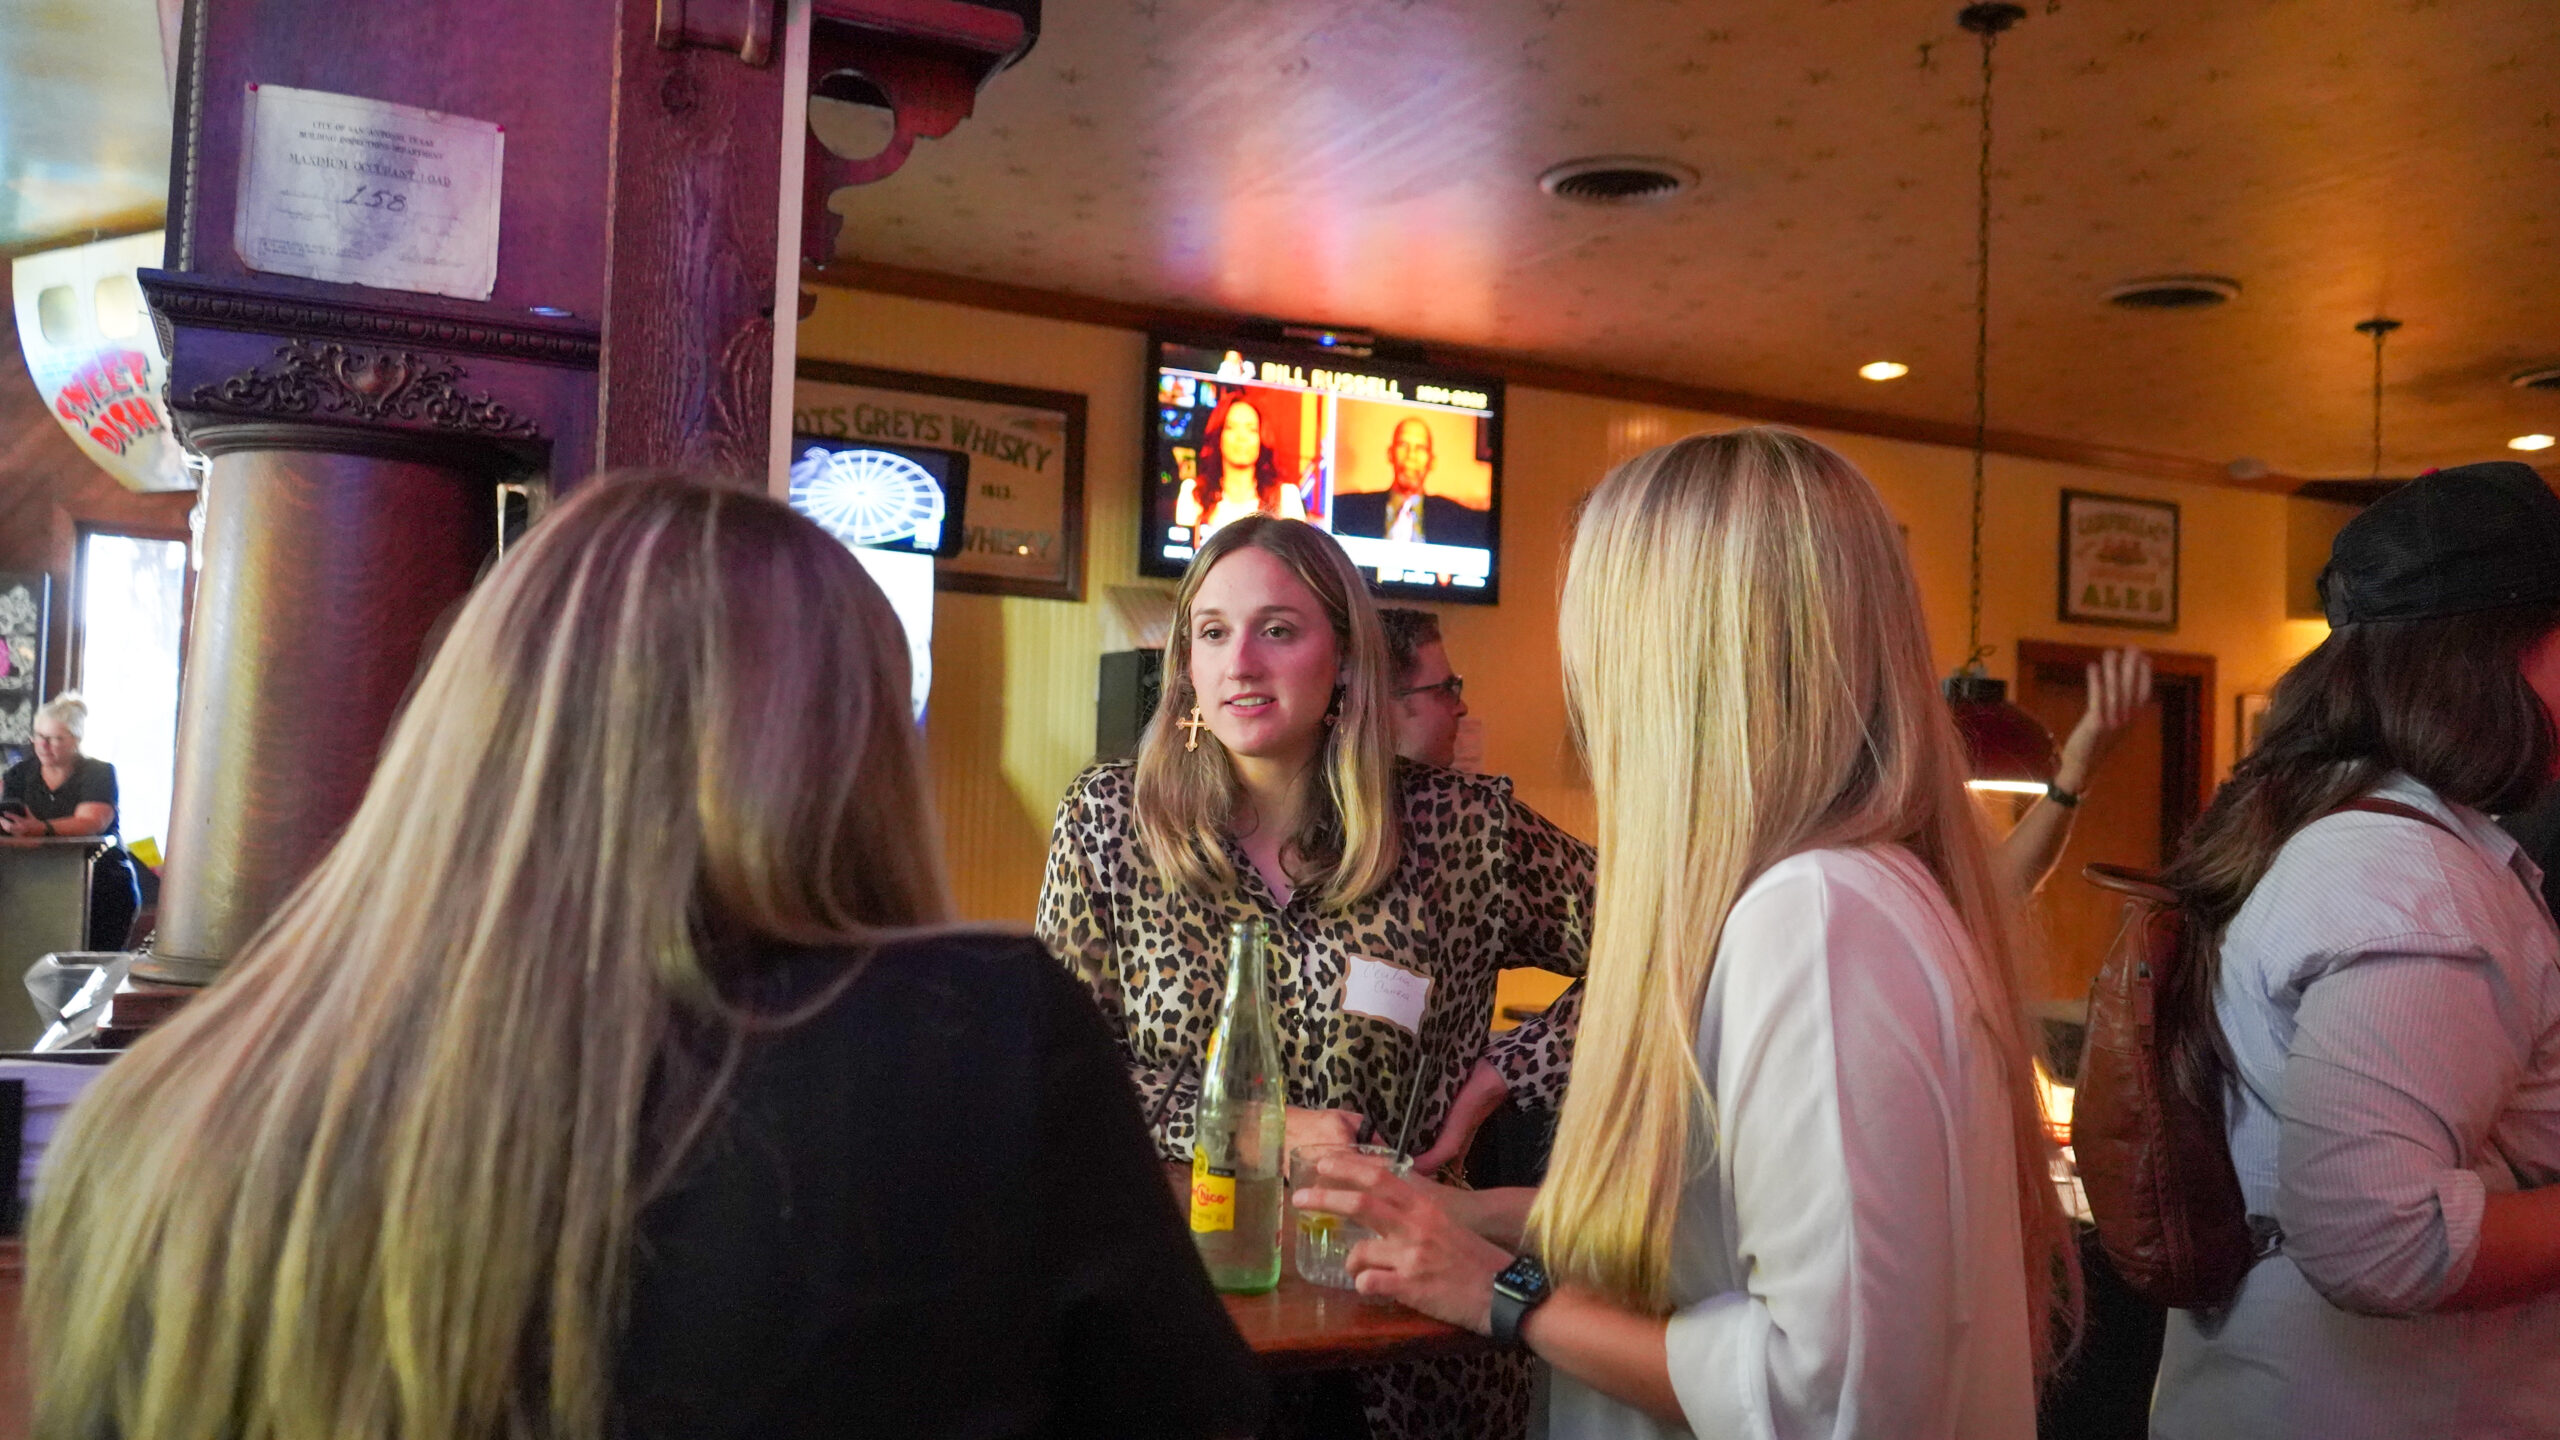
(1801,1186)
(612,1076)
(1267,788)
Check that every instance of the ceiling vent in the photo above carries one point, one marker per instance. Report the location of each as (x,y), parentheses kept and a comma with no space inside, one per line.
(2540,377)
(1618,180)
(2174,292)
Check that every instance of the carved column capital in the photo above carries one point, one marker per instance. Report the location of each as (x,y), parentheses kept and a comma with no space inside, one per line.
(334,380)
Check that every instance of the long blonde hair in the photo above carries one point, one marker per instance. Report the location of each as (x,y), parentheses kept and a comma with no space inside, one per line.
(1750,679)
(382,1179)
(1348,837)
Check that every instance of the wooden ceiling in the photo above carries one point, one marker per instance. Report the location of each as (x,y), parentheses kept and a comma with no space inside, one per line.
(1373,163)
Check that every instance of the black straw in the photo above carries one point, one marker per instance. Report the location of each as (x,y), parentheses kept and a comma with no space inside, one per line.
(1164,1102)
(1412,1100)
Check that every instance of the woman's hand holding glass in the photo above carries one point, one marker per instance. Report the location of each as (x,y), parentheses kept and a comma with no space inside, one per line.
(1422,1256)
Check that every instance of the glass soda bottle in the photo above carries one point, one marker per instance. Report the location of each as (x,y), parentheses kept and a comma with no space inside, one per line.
(1241,1126)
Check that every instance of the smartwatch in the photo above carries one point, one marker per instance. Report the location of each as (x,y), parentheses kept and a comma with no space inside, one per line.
(1519,1289)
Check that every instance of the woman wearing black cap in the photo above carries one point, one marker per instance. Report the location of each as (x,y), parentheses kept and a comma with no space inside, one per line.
(2379,996)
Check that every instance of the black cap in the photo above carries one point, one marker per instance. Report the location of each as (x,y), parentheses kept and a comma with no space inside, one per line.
(2451,542)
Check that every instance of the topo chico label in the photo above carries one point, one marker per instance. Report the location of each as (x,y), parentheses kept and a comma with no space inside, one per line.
(1213,1195)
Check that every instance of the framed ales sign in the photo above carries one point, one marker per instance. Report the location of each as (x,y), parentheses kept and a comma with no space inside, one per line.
(2119,561)
(994,472)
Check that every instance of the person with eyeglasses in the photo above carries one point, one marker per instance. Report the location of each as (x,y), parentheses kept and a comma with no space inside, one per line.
(1429,701)
(1430,698)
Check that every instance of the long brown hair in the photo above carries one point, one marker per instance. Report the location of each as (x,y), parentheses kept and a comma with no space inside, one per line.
(2443,701)
(1750,677)
(1348,836)
(382,1178)
(1209,474)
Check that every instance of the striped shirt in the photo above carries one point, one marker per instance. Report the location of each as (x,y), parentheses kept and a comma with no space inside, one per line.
(2391,993)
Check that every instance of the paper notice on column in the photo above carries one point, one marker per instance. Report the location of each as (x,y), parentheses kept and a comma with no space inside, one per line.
(365,192)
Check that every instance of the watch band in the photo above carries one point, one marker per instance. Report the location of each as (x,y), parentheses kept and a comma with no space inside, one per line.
(2068,800)
(1519,1289)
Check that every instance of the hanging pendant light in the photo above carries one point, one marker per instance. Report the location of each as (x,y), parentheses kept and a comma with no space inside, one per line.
(2006,749)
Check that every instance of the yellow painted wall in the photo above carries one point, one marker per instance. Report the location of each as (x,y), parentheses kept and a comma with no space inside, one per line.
(1012,711)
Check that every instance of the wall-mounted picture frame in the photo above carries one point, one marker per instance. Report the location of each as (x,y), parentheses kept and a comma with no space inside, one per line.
(2119,563)
(1023,516)
(26,617)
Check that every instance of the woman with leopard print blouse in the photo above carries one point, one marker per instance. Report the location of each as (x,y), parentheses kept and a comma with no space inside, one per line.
(1266,788)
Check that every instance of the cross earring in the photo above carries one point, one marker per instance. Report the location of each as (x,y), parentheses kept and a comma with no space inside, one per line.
(1195,725)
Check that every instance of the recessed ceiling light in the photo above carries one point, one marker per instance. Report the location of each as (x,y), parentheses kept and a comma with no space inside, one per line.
(1618,180)
(2174,292)
(2530,442)
(1883,370)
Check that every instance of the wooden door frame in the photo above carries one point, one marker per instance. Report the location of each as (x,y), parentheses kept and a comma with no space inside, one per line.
(2184,686)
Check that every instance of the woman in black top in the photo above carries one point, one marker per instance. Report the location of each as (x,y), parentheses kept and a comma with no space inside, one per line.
(603,1080)
(933,1211)
(59,791)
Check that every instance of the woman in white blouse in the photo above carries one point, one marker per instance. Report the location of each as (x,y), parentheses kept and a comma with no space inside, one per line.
(1800,1184)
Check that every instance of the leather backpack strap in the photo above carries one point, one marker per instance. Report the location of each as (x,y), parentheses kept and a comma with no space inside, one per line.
(2374,806)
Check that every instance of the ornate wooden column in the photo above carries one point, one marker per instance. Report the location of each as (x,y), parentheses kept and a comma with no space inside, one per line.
(356,433)
(316,614)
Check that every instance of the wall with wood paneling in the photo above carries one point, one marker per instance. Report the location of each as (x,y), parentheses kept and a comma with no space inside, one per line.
(1012,716)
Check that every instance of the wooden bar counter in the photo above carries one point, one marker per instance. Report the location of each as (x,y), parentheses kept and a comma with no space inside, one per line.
(1295,1329)
(1301,1327)
(15,1416)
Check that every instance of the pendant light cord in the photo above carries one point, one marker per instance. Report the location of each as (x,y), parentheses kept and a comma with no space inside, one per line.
(2377,327)
(2378,333)
(1986,21)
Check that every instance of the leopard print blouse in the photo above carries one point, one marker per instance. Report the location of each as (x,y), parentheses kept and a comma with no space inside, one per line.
(1484,883)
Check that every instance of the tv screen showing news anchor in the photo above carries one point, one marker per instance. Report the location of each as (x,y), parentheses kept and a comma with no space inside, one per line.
(1401,462)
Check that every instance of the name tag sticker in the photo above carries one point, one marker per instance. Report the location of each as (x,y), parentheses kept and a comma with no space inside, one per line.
(1386,992)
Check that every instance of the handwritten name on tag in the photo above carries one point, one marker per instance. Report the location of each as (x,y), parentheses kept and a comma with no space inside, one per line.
(366,192)
(1388,992)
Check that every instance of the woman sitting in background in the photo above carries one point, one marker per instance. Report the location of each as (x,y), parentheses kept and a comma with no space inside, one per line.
(59,791)
(1800,1185)
(600,1080)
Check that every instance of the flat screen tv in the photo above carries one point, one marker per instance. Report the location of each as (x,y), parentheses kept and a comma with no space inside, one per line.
(1401,462)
